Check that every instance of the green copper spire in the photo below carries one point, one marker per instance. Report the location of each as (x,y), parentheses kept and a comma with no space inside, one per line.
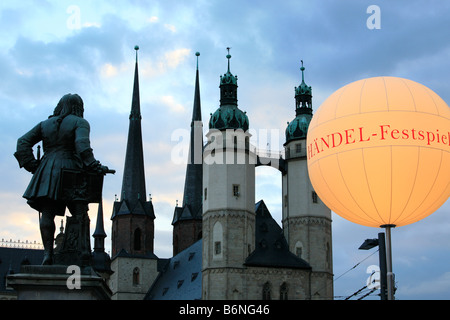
(298,128)
(229,83)
(303,95)
(228,116)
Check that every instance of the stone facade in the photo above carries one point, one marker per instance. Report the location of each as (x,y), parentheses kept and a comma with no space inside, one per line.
(132,277)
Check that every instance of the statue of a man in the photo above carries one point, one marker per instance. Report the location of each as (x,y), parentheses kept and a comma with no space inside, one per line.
(66,145)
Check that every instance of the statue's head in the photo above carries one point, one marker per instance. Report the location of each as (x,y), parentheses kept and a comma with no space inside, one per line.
(69,104)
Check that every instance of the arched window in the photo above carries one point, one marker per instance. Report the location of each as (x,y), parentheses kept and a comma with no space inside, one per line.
(284,291)
(298,249)
(137,239)
(217,241)
(136,276)
(266,291)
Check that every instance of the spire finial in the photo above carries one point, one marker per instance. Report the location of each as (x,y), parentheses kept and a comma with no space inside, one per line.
(228,57)
(197,54)
(303,69)
(136,48)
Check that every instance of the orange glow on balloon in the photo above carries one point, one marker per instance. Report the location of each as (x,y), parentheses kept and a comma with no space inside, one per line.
(379,151)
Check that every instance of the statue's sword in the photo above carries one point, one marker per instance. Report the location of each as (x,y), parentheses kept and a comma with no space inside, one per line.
(38,156)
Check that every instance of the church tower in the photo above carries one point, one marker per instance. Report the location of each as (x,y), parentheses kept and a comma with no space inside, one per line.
(133,262)
(228,197)
(187,219)
(306,220)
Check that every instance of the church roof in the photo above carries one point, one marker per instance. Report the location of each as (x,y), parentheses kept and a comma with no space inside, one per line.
(271,247)
(181,278)
(11,259)
(185,213)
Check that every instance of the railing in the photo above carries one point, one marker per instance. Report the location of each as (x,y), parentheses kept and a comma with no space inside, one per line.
(21,244)
(267,153)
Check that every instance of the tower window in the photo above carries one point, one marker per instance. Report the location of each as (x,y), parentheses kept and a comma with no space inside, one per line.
(217,238)
(314,197)
(217,247)
(266,291)
(206,193)
(284,291)
(298,147)
(137,239)
(236,190)
(298,250)
(136,276)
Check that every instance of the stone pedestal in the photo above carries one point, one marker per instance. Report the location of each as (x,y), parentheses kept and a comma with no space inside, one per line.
(57,282)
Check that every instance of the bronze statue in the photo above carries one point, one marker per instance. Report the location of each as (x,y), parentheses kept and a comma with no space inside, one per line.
(67,150)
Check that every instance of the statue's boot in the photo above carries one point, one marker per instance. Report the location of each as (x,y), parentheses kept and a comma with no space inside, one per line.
(47,227)
(48,257)
(48,250)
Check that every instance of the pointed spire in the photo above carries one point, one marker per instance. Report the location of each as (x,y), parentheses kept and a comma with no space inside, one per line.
(136,104)
(197,54)
(197,112)
(101,261)
(192,196)
(133,183)
(99,233)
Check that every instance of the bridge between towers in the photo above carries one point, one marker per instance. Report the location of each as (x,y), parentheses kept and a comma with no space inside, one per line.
(270,158)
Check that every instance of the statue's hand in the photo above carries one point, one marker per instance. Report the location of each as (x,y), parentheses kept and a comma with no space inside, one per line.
(97,167)
(32,165)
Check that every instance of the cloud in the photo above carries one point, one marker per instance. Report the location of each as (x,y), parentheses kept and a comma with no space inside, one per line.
(169,102)
(41,59)
(170,27)
(437,287)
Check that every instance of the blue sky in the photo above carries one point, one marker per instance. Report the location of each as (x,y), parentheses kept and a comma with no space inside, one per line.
(50,48)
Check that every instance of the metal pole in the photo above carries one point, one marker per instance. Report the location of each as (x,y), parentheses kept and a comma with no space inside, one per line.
(389,273)
(382,255)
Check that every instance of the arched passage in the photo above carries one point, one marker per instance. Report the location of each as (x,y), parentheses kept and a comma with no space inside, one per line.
(268,187)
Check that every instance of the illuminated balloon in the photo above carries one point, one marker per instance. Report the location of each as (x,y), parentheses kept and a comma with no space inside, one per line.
(379,151)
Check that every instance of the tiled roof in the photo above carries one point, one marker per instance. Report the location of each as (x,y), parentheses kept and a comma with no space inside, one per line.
(181,278)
